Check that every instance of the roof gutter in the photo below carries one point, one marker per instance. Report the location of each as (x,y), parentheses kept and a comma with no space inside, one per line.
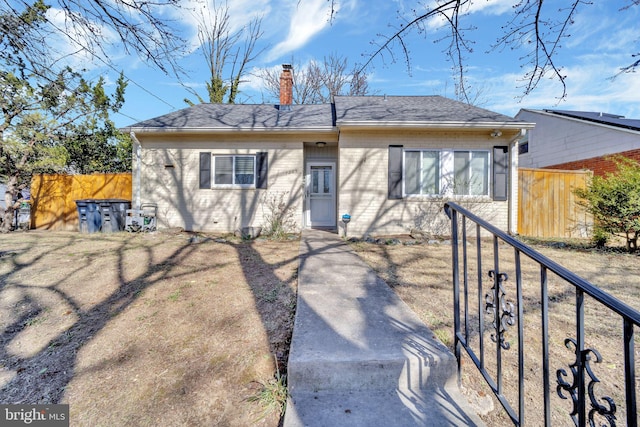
(165,130)
(621,127)
(137,164)
(434,125)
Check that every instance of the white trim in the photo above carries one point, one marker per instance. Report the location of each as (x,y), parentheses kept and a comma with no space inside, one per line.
(447,172)
(583,121)
(514,185)
(404,171)
(233,171)
(367,124)
(137,165)
(232,130)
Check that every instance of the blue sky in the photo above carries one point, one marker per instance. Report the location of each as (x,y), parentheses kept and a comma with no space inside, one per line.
(603,38)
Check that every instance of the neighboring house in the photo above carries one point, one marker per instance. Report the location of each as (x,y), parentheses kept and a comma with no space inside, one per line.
(3,189)
(389,162)
(576,140)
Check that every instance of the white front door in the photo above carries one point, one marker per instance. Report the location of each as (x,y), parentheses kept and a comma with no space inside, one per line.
(321,194)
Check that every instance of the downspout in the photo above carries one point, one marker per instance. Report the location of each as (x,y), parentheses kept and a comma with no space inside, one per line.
(137,164)
(513,182)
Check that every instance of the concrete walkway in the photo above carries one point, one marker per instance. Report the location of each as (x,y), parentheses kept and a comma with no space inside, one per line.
(359,356)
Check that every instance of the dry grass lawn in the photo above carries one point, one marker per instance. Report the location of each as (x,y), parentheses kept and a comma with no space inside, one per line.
(171,328)
(165,328)
(422,277)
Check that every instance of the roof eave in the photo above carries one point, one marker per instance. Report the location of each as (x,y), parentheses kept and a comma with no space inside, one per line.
(621,128)
(226,130)
(434,125)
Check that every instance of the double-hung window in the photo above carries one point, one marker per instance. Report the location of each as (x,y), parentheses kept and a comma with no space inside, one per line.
(445,172)
(422,172)
(448,172)
(234,170)
(471,173)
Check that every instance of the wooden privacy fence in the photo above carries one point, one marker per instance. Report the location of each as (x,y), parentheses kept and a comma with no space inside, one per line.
(54,196)
(547,206)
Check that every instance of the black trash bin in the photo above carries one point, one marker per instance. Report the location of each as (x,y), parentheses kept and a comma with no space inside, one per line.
(113,212)
(109,222)
(89,219)
(81,206)
(119,209)
(94,220)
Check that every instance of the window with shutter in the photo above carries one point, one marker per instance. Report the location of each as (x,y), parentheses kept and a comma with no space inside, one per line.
(233,171)
(205,170)
(500,173)
(395,172)
(262,169)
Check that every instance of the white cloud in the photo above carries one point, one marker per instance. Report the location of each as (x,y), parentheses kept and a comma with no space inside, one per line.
(308,18)
(488,7)
(603,26)
(71,42)
(589,88)
(241,13)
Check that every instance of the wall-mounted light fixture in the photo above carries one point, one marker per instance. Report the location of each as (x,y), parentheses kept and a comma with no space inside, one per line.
(496,134)
(321,144)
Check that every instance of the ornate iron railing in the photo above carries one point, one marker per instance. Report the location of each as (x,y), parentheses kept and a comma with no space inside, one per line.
(500,314)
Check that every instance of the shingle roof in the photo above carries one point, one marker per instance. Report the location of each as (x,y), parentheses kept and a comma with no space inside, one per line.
(604,118)
(347,110)
(242,117)
(412,109)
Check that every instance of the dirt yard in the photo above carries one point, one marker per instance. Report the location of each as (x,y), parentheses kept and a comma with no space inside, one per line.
(166,328)
(422,276)
(172,328)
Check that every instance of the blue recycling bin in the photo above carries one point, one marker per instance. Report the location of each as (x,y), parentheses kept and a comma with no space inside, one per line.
(108,222)
(89,219)
(119,209)
(113,214)
(81,206)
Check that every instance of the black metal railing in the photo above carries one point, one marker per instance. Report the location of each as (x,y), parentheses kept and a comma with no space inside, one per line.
(501,317)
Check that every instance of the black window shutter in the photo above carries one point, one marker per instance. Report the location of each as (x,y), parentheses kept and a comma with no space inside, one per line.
(262,169)
(395,172)
(205,170)
(500,173)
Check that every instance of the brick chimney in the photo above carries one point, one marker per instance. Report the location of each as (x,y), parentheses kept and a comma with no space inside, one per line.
(286,87)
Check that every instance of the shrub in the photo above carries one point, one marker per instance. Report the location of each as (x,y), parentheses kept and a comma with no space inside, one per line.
(278,215)
(614,202)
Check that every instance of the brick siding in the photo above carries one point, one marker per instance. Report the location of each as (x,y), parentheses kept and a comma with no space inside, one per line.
(599,165)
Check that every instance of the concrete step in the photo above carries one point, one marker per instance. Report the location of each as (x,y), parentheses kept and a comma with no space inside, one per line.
(359,355)
(378,409)
(392,349)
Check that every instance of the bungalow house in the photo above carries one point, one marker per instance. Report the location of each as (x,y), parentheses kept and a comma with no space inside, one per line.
(389,162)
(577,140)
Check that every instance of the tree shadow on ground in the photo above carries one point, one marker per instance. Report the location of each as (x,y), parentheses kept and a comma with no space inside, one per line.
(222,296)
(275,296)
(42,377)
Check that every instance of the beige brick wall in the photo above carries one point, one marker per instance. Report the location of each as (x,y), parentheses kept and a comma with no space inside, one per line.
(363,185)
(182,204)
(362,177)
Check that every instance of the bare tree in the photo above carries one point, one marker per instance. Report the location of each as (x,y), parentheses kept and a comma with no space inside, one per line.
(538,27)
(28,32)
(225,51)
(319,82)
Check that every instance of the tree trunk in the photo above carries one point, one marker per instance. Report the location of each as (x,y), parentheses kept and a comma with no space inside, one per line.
(632,241)
(12,191)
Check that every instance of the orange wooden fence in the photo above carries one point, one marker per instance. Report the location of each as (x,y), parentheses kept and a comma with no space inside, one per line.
(547,206)
(53,196)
